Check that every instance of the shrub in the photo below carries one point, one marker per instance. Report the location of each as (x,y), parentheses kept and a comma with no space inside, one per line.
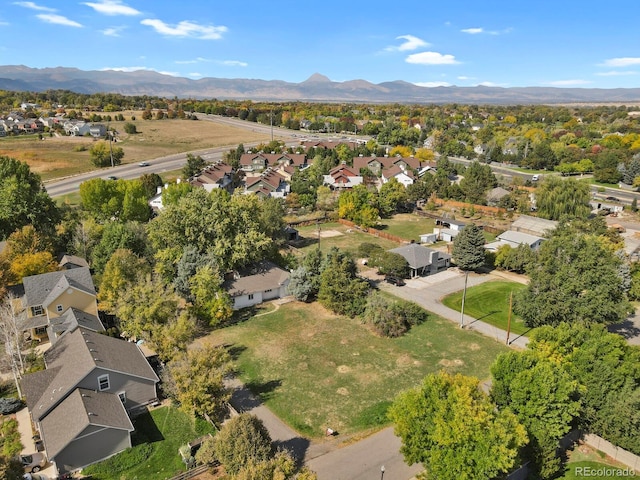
(10,405)
(391,318)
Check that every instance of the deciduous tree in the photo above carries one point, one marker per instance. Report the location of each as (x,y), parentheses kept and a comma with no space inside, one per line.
(195,379)
(103,154)
(452,428)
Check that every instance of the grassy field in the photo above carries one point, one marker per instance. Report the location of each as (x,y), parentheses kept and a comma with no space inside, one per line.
(407,226)
(340,236)
(316,370)
(54,157)
(154,454)
(489,302)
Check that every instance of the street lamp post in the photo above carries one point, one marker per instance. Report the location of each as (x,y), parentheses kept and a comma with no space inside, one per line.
(382,472)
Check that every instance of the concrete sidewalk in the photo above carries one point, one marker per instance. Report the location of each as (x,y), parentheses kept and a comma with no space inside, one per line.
(29,446)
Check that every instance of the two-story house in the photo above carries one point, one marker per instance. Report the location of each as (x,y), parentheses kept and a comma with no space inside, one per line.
(80,403)
(49,296)
(270,183)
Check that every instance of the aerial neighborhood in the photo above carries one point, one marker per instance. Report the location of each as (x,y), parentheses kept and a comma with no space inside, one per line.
(318,291)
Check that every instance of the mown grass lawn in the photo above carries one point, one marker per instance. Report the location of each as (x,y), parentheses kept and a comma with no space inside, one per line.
(585,462)
(317,370)
(154,455)
(489,302)
(407,226)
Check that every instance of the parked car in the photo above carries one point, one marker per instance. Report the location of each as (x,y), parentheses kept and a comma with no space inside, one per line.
(33,462)
(394,280)
(612,199)
(535,178)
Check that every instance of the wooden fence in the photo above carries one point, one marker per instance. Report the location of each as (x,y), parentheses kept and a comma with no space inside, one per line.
(373,231)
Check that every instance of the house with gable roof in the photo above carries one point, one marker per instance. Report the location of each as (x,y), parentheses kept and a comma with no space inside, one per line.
(49,296)
(342,176)
(269,183)
(256,284)
(217,175)
(423,260)
(80,404)
(404,176)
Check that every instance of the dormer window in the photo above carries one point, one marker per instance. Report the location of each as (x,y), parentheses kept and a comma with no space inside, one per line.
(59,308)
(37,310)
(103,382)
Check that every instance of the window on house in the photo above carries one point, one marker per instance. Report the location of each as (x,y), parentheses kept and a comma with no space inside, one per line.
(103,382)
(123,397)
(37,310)
(251,296)
(267,291)
(40,331)
(59,308)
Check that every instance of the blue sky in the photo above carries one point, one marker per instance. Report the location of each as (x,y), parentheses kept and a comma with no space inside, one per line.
(513,43)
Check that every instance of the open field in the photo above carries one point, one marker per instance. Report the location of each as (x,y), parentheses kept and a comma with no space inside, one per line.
(340,236)
(407,226)
(154,455)
(317,370)
(489,302)
(54,157)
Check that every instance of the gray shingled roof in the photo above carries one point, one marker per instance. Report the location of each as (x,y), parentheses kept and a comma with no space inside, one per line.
(533,225)
(416,255)
(81,409)
(267,275)
(75,355)
(74,260)
(39,289)
(73,318)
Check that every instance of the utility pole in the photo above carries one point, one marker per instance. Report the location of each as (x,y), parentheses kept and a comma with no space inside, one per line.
(271,118)
(110,147)
(509,319)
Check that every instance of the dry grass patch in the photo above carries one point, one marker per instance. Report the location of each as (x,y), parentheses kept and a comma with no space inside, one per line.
(54,157)
(336,372)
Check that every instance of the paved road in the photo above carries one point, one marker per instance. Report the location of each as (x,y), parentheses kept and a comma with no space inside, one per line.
(429,291)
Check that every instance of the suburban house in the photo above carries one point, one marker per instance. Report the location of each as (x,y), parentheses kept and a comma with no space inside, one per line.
(372,163)
(342,176)
(423,260)
(250,162)
(514,240)
(404,176)
(49,296)
(269,183)
(496,194)
(80,404)
(533,225)
(72,261)
(218,175)
(264,281)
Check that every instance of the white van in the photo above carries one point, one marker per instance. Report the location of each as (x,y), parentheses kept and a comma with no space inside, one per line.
(535,178)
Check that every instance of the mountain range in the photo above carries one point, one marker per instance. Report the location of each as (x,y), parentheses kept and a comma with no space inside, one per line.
(317,88)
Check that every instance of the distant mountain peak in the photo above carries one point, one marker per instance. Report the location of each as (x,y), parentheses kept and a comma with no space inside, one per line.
(317,78)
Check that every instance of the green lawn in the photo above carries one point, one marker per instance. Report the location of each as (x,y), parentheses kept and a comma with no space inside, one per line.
(407,226)
(579,470)
(489,302)
(317,370)
(347,239)
(154,454)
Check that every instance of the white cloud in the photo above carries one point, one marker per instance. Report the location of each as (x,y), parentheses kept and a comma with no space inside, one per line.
(112,7)
(33,6)
(462,77)
(195,60)
(186,29)
(616,73)
(195,75)
(431,58)
(479,30)
(432,84)
(58,20)
(3,24)
(410,43)
(565,83)
(234,63)
(112,31)
(621,62)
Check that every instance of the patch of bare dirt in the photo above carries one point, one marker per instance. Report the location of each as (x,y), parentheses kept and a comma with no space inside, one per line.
(456,362)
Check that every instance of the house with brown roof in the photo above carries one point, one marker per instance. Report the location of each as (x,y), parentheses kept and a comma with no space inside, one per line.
(218,175)
(373,163)
(342,177)
(49,296)
(403,175)
(269,183)
(259,283)
(80,404)
(250,162)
